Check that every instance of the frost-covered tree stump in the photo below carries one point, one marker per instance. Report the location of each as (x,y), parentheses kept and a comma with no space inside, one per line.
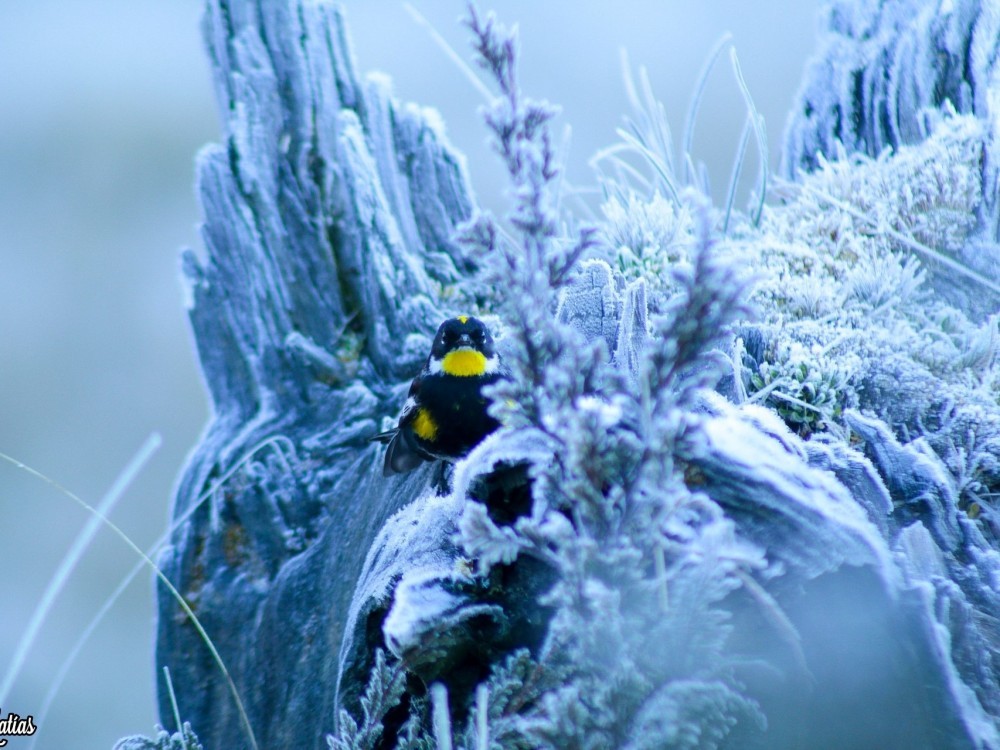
(797,551)
(328,216)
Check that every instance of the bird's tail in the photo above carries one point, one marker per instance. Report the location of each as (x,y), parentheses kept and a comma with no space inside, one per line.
(383,437)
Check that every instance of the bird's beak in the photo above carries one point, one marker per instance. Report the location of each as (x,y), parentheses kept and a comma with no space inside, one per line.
(465,340)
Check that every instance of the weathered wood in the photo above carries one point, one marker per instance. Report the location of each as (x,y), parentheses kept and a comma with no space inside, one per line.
(328,212)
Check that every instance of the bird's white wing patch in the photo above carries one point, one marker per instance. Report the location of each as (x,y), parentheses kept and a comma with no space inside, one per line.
(409,405)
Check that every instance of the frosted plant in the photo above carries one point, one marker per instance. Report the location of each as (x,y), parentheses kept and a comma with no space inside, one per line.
(836,260)
(639,558)
(855,214)
(647,135)
(182,740)
(637,647)
(383,692)
(648,238)
(878,281)
(672,567)
(531,274)
(807,389)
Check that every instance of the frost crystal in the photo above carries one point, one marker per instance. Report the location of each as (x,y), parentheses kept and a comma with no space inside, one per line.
(749,463)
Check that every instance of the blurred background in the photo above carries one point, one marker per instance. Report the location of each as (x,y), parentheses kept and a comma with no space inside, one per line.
(103,106)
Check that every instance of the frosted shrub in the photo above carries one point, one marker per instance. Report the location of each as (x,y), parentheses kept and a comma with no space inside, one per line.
(650,238)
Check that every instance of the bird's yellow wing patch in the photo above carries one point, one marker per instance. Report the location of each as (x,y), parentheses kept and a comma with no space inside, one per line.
(425,426)
(464,363)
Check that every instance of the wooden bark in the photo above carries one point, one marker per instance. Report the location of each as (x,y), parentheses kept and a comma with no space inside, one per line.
(328,211)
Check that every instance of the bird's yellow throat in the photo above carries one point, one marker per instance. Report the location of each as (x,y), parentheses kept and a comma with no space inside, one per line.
(464,363)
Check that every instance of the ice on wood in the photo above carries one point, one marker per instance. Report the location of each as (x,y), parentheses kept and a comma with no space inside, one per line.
(328,214)
(834,518)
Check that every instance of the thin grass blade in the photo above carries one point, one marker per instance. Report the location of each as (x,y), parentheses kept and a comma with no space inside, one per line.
(734,178)
(175,594)
(450,53)
(687,137)
(759,131)
(72,557)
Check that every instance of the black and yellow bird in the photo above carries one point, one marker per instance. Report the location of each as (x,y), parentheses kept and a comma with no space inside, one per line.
(445,416)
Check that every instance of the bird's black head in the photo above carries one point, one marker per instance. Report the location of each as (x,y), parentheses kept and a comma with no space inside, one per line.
(463,331)
(455,344)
